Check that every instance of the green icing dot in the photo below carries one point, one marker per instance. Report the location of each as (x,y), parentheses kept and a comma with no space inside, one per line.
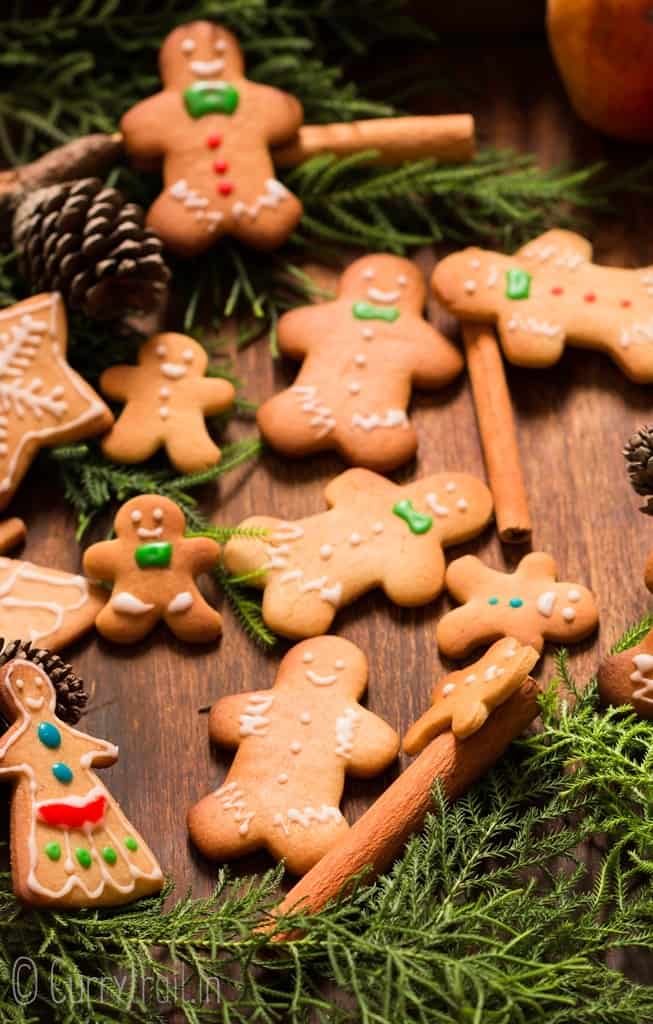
(417,522)
(493,600)
(211,98)
(368,311)
(83,857)
(53,851)
(515,602)
(131,844)
(156,555)
(109,855)
(518,284)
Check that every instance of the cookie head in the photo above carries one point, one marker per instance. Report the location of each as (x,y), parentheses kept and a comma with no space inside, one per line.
(149,517)
(469,282)
(566,605)
(176,356)
(326,663)
(27,689)
(384,281)
(199,51)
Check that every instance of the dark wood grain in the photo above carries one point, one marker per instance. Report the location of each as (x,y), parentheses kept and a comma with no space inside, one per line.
(572,422)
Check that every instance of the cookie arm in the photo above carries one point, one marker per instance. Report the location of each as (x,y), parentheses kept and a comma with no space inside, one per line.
(212,394)
(375,746)
(100,560)
(297,327)
(359,481)
(225,715)
(144,127)
(434,359)
(282,114)
(15,749)
(200,553)
(118,381)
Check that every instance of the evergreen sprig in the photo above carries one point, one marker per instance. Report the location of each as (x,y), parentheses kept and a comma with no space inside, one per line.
(500,912)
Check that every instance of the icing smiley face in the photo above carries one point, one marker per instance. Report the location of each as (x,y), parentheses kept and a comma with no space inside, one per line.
(329,663)
(149,517)
(200,51)
(384,281)
(30,692)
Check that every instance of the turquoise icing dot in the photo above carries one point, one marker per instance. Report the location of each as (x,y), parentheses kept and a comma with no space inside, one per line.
(62,772)
(515,602)
(49,735)
(493,600)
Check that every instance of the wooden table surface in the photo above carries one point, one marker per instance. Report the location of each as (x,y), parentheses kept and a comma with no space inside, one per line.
(572,422)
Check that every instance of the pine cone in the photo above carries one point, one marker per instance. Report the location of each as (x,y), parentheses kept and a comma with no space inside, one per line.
(87,242)
(638,454)
(71,695)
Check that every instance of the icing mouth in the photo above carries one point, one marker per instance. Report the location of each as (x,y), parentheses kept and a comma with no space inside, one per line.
(35,703)
(146,534)
(546,603)
(207,67)
(378,295)
(175,371)
(318,679)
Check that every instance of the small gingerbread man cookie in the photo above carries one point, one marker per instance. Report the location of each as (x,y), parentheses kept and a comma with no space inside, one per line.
(296,742)
(213,130)
(375,534)
(463,700)
(528,604)
(362,353)
(627,678)
(167,398)
(549,293)
(152,567)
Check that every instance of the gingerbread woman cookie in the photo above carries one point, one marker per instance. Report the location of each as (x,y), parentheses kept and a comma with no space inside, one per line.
(627,678)
(295,744)
(549,293)
(375,534)
(152,567)
(71,845)
(463,700)
(167,398)
(528,604)
(43,401)
(362,353)
(213,129)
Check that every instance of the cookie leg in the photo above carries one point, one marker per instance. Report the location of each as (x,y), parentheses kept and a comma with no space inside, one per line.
(190,617)
(530,337)
(416,575)
(296,422)
(126,627)
(224,825)
(272,224)
(303,841)
(381,449)
(181,230)
(296,614)
(191,450)
(130,441)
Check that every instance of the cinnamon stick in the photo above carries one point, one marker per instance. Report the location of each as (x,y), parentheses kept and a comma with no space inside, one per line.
(450,138)
(496,424)
(12,533)
(379,835)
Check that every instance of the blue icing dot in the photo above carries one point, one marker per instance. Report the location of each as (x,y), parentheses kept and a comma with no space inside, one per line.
(62,772)
(493,600)
(49,735)
(515,602)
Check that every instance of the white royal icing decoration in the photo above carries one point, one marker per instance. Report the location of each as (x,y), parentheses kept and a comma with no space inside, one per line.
(546,602)
(532,325)
(128,604)
(326,551)
(232,798)
(448,688)
(377,295)
(319,680)
(392,418)
(568,614)
(253,721)
(274,194)
(322,417)
(436,508)
(26,572)
(193,200)
(643,665)
(181,602)
(306,817)
(207,67)
(346,725)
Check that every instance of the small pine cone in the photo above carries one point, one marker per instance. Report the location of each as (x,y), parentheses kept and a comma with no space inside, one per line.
(638,454)
(85,241)
(71,694)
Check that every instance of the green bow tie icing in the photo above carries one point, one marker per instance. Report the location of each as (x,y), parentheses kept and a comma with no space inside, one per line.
(367,311)
(156,555)
(417,521)
(210,98)
(518,284)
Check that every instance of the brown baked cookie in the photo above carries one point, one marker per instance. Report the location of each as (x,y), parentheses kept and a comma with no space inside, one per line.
(463,700)
(71,845)
(550,293)
(152,566)
(213,129)
(43,401)
(296,742)
(375,534)
(627,678)
(529,604)
(362,354)
(167,398)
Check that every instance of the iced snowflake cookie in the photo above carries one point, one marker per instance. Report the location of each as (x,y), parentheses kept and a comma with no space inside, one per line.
(627,678)
(152,567)
(550,293)
(71,845)
(213,129)
(295,744)
(362,354)
(167,398)
(43,401)
(375,534)
(529,604)
(463,700)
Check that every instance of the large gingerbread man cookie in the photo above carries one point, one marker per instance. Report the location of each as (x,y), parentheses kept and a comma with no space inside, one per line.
(295,744)
(529,604)
(152,567)
(362,353)
(549,293)
(375,534)
(213,129)
(167,398)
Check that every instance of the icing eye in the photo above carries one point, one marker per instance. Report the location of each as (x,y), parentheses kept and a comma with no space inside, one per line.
(19,684)
(136,516)
(402,280)
(220,45)
(450,487)
(187,355)
(368,274)
(339,664)
(188,46)
(573,595)
(157,514)
(160,351)
(39,683)
(308,657)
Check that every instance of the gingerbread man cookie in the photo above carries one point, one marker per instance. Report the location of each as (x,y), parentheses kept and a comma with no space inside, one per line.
(167,398)
(549,293)
(213,129)
(152,567)
(43,401)
(463,700)
(295,744)
(71,845)
(362,353)
(528,604)
(375,534)
(627,678)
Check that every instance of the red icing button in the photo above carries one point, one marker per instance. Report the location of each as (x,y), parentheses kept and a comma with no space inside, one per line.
(590,297)
(557,290)
(220,166)
(625,303)
(225,188)
(213,141)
